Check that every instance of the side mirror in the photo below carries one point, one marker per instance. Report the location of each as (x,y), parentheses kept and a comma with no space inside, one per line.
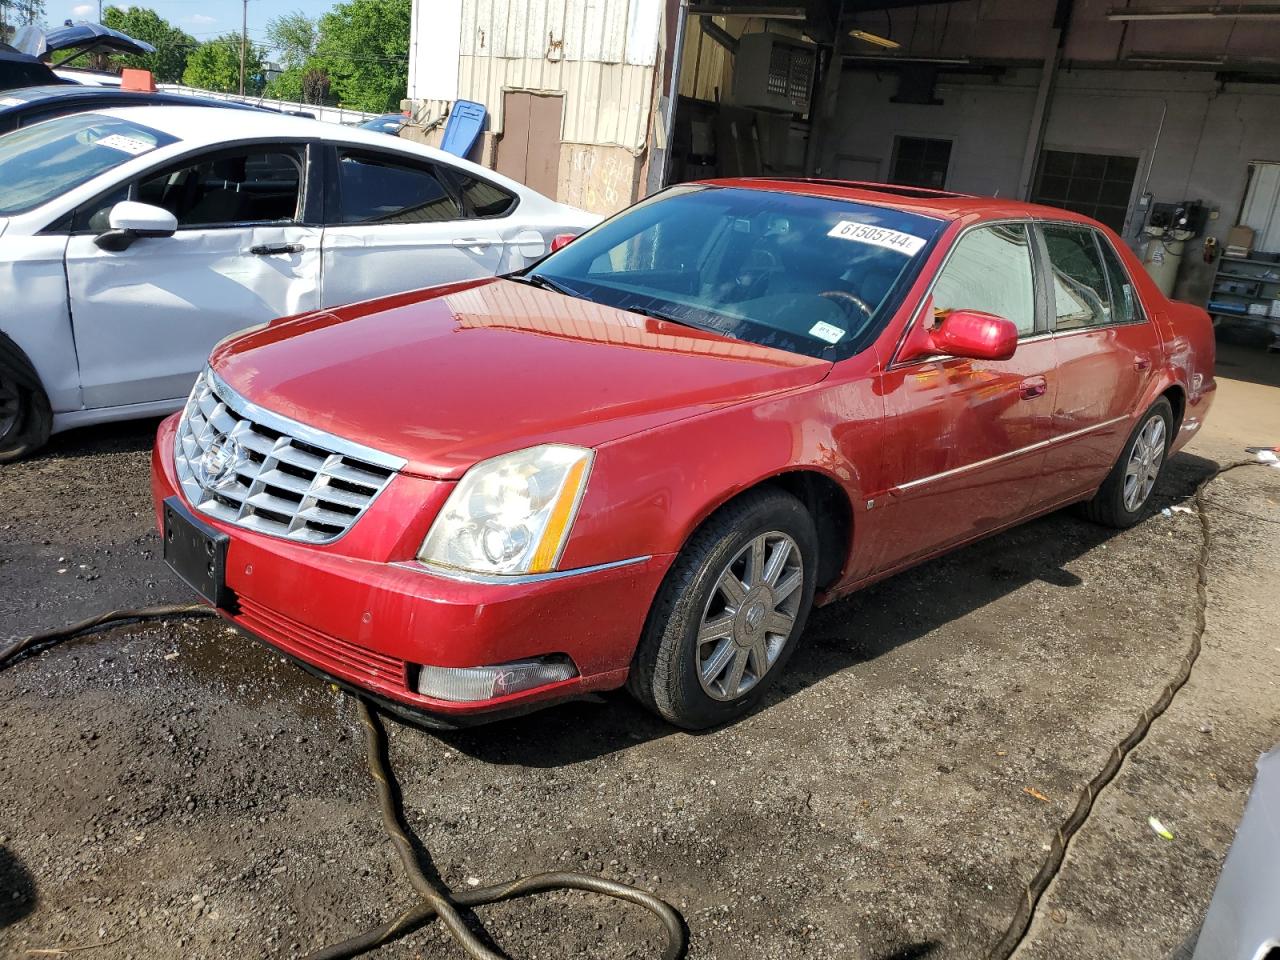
(962,333)
(561,240)
(132,221)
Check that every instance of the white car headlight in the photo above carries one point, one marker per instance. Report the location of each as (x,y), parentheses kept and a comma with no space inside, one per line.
(512,514)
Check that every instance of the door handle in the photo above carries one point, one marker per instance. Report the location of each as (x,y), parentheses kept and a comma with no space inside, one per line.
(270,249)
(473,242)
(1032,387)
(1142,362)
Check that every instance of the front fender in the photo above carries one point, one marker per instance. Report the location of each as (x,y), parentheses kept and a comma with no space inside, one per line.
(649,492)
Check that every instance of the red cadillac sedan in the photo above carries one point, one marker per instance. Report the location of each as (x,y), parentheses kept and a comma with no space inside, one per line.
(642,461)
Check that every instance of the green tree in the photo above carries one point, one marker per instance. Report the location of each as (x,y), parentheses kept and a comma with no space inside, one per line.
(364,48)
(293,37)
(172,45)
(18,13)
(215,65)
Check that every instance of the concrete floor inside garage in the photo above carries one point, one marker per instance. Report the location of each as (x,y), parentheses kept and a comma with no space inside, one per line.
(175,790)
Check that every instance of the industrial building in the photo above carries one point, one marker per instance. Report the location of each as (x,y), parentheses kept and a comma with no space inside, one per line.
(1161,120)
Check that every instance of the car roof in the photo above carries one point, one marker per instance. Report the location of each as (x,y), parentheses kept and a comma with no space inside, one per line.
(940,204)
(205,127)
(70,91)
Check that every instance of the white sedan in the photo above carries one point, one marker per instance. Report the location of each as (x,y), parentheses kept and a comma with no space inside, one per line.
(132,240)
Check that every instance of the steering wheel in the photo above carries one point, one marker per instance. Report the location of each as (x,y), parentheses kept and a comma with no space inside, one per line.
(752,277)
(844,298)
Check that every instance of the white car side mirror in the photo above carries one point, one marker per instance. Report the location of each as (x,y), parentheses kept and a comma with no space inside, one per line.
(130,221)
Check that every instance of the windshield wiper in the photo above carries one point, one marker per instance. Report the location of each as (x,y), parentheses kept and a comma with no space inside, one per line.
(666,318)
(538,280)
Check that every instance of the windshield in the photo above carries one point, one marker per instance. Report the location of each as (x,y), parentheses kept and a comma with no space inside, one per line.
(46,160)
(810,275)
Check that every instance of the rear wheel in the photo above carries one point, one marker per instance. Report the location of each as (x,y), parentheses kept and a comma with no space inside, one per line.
(729,613)
(1127,490)
(25,417)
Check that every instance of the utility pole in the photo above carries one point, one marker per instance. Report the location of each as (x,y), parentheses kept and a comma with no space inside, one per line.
(244,42)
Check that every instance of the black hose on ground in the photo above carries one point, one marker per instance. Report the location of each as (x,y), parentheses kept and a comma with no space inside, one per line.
(1022,917)
(437,902)
(25,644)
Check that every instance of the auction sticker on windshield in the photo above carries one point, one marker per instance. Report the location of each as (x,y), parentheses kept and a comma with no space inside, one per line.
(130,145)
(826,331)
(905,243)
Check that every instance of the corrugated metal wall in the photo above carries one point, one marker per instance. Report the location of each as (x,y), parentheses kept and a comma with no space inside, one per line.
(599,53)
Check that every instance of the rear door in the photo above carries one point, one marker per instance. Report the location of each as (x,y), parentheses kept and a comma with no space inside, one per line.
(146,317)
(965,439)
(1106,349)
(396,223)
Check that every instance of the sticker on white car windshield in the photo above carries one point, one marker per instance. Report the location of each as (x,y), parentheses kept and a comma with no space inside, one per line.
(130,145)
(826,331)
(905,243)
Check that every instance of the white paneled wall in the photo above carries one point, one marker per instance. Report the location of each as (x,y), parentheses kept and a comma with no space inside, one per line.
(600,54)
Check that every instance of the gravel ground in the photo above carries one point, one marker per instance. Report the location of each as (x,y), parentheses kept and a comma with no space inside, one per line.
(177,790)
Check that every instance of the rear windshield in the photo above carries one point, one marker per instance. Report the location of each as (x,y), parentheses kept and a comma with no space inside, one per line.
(811,275)
(44,161)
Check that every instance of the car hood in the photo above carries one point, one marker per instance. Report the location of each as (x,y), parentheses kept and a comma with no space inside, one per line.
(453,375)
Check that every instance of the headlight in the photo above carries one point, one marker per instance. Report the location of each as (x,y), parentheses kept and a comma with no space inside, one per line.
(511,514)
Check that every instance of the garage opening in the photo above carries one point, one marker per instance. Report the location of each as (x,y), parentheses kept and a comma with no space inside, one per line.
(1151,118)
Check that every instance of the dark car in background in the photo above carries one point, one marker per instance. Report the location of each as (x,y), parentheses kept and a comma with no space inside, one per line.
(28,105)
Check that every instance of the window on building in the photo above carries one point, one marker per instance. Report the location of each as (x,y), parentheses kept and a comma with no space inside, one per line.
(921,162)
(1080,294)
(1097,186)
(374,189)
(990,270)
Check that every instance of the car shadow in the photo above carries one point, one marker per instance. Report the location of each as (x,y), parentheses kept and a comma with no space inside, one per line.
(859,628)
(129,436)
(17,889)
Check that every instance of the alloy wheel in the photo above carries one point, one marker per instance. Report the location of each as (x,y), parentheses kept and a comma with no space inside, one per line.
(10,406)
(1145,459)
(749,616)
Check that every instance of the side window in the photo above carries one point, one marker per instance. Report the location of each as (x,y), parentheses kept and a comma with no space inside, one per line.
(1080,295)
(373,189)
(1124,295)
(482,198)
(258,186)
(990,270)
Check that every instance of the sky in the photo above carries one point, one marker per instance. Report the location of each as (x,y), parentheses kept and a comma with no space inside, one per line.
(200,18)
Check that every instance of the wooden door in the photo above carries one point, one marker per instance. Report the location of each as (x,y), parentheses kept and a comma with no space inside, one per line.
(529,150)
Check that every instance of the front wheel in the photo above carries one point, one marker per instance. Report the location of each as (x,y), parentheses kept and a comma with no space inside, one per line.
(25,418)
(729,613)
(1125,493)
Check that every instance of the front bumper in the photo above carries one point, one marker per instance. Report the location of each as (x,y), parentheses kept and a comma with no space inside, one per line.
(370,623)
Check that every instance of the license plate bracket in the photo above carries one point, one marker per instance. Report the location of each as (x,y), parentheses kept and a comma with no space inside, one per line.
(197,553)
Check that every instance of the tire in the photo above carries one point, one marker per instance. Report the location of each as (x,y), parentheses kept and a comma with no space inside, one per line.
(1117,504)
(25,417)
(699,685)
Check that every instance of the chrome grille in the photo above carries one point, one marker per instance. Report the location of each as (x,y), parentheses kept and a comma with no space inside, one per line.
(248,466)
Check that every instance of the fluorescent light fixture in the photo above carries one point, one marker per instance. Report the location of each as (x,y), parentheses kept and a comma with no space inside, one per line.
(1226,11)
(891,58)
(1189,61)
(759,13)
(874,38)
